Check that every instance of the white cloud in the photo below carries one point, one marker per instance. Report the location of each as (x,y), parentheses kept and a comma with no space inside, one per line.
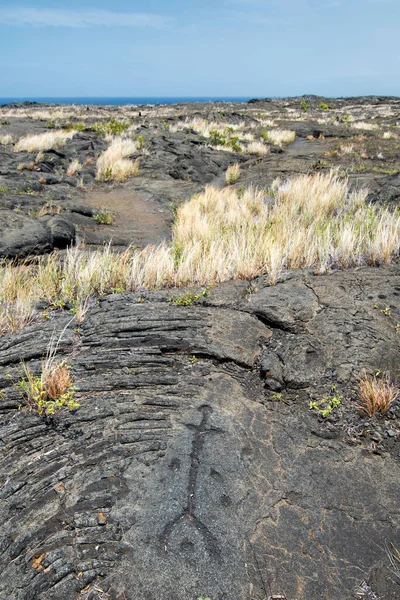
(69,18)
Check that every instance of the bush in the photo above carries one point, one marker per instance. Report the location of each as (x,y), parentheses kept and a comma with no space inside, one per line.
(323,106)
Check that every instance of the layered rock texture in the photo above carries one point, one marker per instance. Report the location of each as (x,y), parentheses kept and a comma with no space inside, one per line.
(194,467)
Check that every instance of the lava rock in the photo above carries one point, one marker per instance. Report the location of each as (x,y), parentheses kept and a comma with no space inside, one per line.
(21,235)
(63,231)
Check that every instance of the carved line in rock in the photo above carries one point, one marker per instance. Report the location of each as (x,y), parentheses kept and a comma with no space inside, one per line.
(189,512)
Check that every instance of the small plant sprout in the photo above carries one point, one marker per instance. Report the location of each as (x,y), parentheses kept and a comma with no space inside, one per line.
(376,393)
(232,173)
(327,404)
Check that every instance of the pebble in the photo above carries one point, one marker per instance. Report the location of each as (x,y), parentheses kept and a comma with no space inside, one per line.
(390,433)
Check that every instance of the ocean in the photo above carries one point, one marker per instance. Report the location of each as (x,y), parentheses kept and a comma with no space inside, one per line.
(128,100)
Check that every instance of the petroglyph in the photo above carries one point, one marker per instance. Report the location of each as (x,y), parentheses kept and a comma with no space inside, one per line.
(189,512)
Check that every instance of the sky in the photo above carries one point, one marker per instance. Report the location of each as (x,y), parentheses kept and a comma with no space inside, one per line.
(220,48)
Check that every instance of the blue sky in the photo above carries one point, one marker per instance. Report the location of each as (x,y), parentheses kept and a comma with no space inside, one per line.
(250,48)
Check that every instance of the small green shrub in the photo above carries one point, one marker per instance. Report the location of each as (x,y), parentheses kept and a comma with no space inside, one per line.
(189,298)
(111,127)
(216,138)
(303,105)
(104,217)
(320,164)
(74,127)
(233,142)
(323,106)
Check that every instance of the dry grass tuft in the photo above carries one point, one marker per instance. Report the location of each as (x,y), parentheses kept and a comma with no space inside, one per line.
(204,127)
(376,394)
(44,141)
(281,136)
(365,126)
(113,165)
(347,148)
(232,173)
(6,139)
(48,209)
(258,148)
(221,234)
(74,168)
(389,135)
(14,316)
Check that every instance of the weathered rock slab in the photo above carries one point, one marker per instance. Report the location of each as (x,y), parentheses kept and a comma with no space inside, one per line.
(21,235)
(179,476)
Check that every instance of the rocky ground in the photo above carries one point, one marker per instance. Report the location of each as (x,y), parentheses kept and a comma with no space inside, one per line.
(194,466)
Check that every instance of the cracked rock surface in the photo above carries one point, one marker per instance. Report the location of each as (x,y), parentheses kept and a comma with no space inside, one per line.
(194,467)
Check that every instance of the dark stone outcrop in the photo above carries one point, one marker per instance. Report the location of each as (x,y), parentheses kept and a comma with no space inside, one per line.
(21,235)
(62,230)
(182,475)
